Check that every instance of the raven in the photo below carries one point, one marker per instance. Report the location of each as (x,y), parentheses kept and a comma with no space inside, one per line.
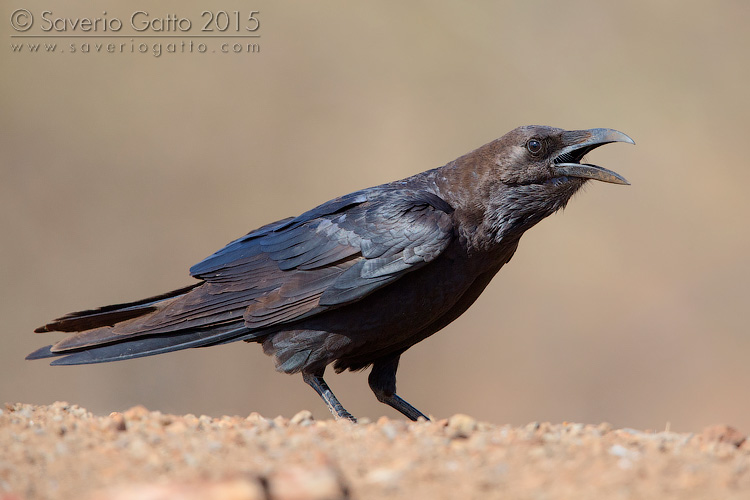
(359,279)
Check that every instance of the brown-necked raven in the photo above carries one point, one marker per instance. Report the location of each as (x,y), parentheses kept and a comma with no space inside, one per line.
(357,280)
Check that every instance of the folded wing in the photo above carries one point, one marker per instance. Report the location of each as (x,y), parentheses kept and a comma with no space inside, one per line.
(329,257)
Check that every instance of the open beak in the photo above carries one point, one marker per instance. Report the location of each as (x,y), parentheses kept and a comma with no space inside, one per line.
(581,142)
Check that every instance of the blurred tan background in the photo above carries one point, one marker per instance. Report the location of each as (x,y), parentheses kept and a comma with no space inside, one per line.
(120,171)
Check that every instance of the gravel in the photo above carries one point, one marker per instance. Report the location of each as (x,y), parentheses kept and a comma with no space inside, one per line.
(63,451)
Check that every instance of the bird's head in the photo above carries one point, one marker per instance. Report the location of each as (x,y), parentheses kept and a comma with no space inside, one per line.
(539,155)
(534,170)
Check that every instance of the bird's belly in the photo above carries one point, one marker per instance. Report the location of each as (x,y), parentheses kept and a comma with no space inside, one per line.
(388,320)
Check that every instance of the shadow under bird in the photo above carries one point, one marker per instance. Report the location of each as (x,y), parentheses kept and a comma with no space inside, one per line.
(359,279)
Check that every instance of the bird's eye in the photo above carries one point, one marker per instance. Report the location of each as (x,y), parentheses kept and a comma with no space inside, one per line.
(534,146)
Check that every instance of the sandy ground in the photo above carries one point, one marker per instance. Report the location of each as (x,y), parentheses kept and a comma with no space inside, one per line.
(63,451)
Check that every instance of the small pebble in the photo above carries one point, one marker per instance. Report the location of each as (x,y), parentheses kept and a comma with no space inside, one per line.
(461,426)
(303,417)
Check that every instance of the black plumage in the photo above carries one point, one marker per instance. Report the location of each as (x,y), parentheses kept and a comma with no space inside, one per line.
(358,280)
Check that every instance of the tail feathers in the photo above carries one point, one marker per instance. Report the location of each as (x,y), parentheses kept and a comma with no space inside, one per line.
(44,352)
(109,315)
(144,346)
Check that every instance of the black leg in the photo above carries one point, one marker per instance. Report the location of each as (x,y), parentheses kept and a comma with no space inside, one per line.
(382,381)
(316,382)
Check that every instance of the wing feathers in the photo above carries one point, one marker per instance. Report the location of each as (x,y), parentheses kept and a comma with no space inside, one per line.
(148,346)
(327,257)
(108,315)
